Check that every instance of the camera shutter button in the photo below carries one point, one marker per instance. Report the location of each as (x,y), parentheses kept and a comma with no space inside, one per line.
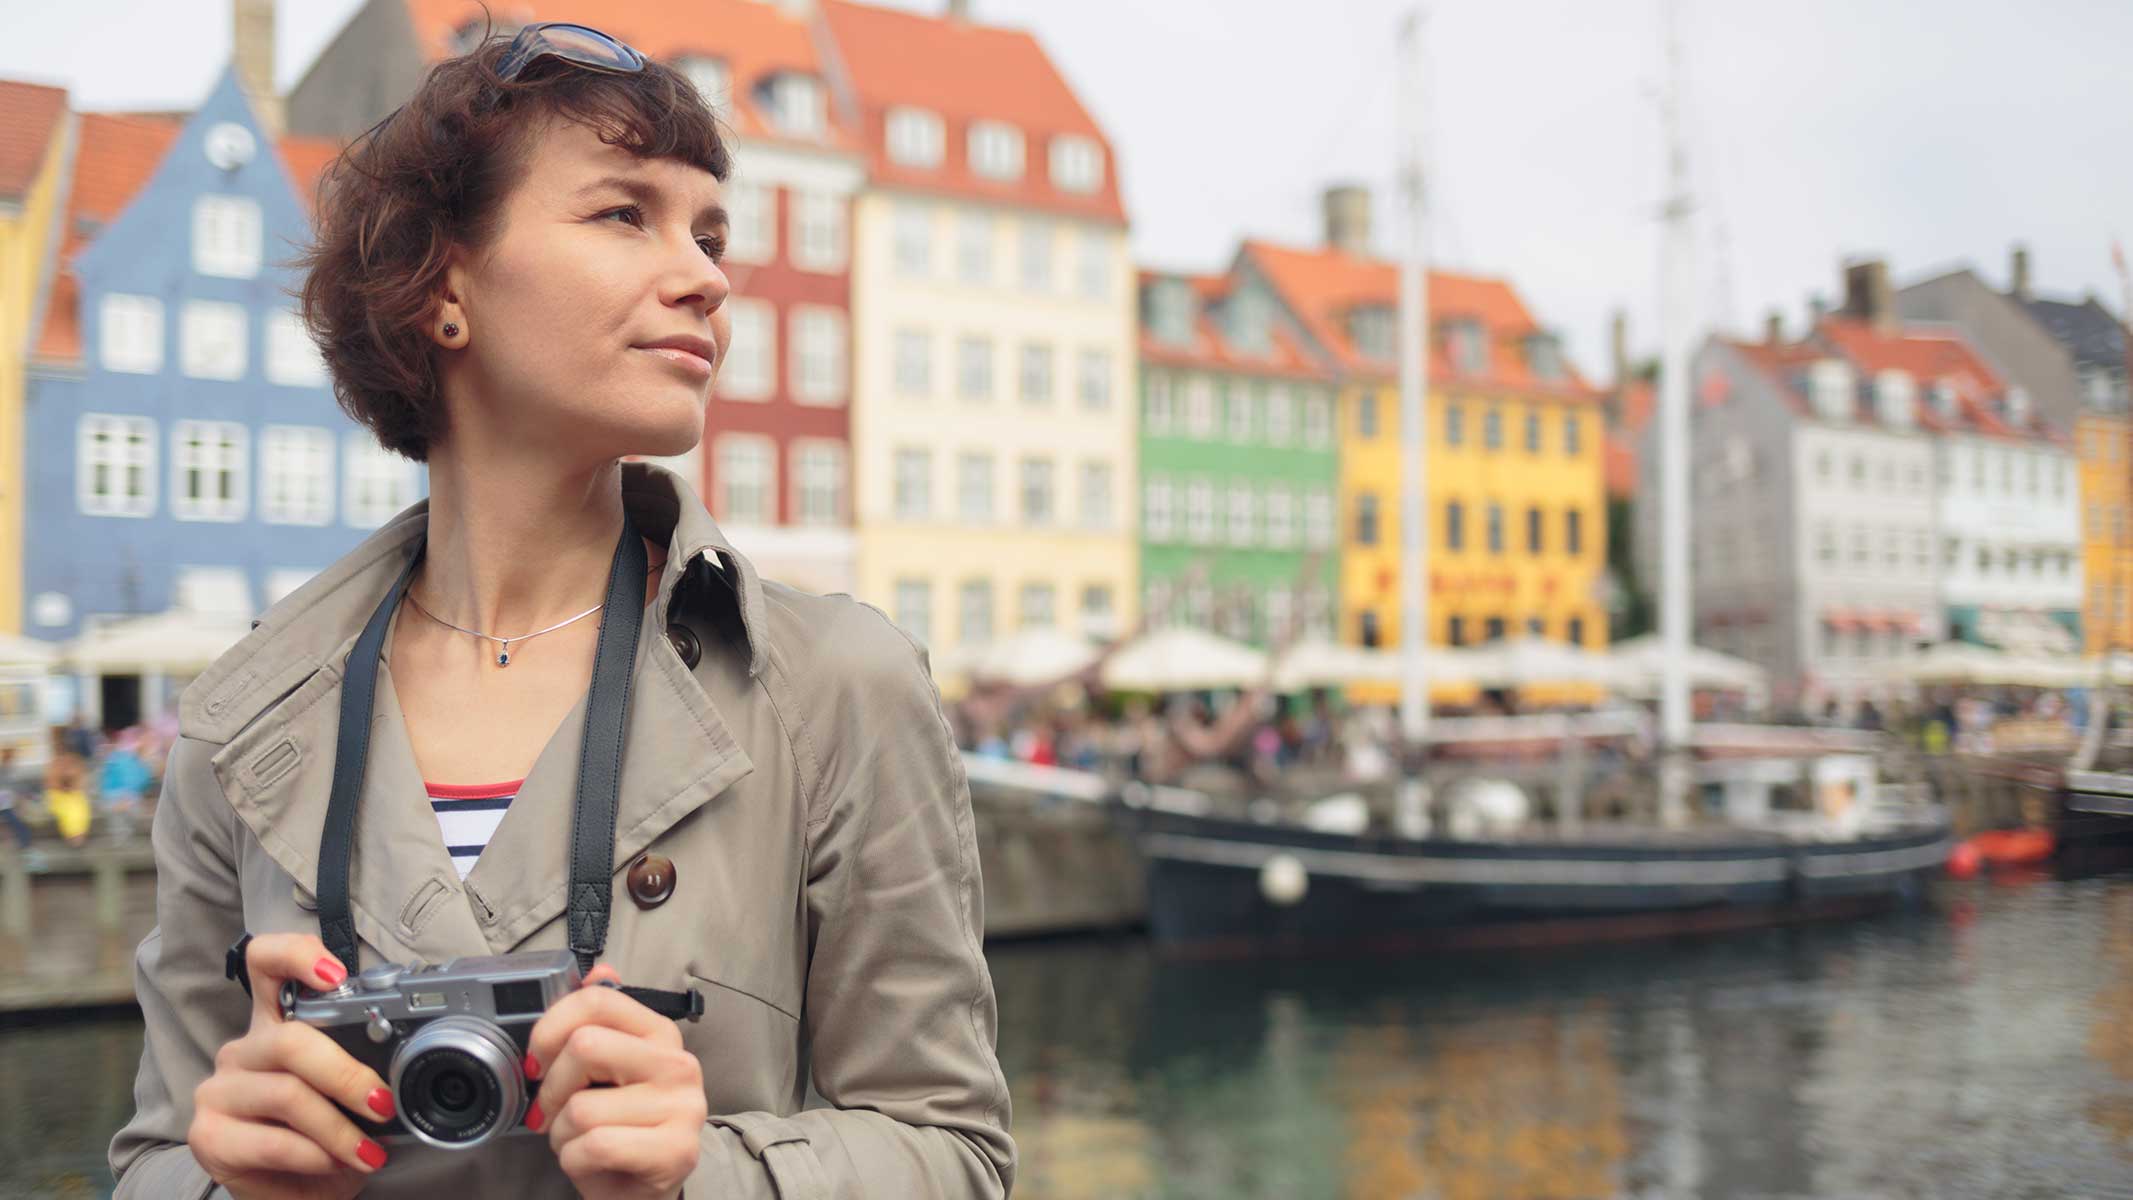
(384,975)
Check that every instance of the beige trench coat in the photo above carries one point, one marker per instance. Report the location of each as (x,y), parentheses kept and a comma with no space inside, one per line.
(827,901)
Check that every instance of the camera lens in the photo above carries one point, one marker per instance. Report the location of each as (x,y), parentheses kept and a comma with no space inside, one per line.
(457,1081)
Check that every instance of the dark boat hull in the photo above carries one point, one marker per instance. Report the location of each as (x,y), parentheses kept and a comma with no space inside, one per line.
(1205,891)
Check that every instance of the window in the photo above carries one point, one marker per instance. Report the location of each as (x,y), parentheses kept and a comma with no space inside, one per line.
(1092,266)
(974,611)
(796,105)
(1455,631)
(1037,491)
(211,339)
(1368,629)
(818,368)
(751,361)
(292,357)
(914,363)
(710,78)
(1822,467)
(1573,533)
(1038,606)
(1318,421)
(973,368)
(226,236)
(1096,495)
(1573,435)
(1280,517)
(115,466)
(1825,543)
(1454,525)
(1366,519)
(1097,619)
(1492,429)
(1470,347)
(914,608)
(1454,424)
(1240,411)
(130,333)
(1159,409)
(1158,516)
(914,484)
(1366,414)
(1036,373)
(1535,539)
(1536,627)
(915,137)
(744,479)
(751,223)
(995,150)
(818,482)
(1092,374)
(1492,629)
(914,241)
(1243,515)
(1494,518)
(296,463)
(375,483)
(973,248)
(1318,519)
(1892,548)
(1200,512)
(1077,164)
(1576,631)
(1280,611)
(1200,407)
(1036,255)
(819,237)
(1280,416)
(973,487)
(1533,433)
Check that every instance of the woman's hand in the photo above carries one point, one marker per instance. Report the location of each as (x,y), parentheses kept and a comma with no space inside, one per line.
(639,1138)
(265,1124)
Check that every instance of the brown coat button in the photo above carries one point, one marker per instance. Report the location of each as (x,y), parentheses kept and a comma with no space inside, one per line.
(685,644)
(651,880)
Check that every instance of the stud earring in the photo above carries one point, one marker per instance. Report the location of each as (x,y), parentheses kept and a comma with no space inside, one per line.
(451,330)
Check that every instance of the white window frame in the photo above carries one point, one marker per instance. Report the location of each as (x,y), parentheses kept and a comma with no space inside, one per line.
(1318,519)
(210,452)
(1200,407)
(995,150)
(1092,265)
(213,340)
(1098,509)
(1035,247)
(1159,406)
(296,475)
(974,486)
(1280,415)
(1238,421)
(1318,420)
(1092,369)
(974,355)
(1243,516)
(974,612)
(914,607)
(798,104)
(820,239)
(712,79)
(751,222)
(376,484)
(1077,163)
(1280,516)
(818,475)
(975,232)
(1200,512)
(916,137)
(751,366)
(122,446)
(912,240)
(912,480)
(1037,606)
(819,372)
(292,358)
(1158,509)
(913,365)
(130,333)
(228,232)
(759,454)
(1033,374)
(1037,481)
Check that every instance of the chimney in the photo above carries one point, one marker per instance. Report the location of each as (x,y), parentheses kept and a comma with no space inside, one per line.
(1347,208)
(1618,345)
(1867,295)
(1817,308)
(2018,272)
(1774,328)
(958,10)
(252,52)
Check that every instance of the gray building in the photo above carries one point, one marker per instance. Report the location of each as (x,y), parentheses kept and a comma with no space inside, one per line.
(2068,356)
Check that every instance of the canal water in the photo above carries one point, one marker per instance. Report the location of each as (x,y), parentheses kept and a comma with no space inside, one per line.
(1979,1047)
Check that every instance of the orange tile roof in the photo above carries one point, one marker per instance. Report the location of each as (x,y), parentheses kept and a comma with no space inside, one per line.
(1619,466)
(1322,285)
(1210,350)
(965,72)
(306,159)
(755,40)
(29,115)
(1928,356)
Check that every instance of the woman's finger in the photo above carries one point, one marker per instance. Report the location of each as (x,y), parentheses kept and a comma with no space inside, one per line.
(228,1147)
(660,1153)
(600,1054)
(635,1104)
(283,1099)
(271,958)
(316,1060)
(598,1006)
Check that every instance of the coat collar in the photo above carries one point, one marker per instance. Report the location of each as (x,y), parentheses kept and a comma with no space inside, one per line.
(274,701)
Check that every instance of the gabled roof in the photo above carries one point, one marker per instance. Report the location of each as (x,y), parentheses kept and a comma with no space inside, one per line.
(29,117)
(2088,330)
(1322,286)
(1211,350)
(755,40)
(964,72)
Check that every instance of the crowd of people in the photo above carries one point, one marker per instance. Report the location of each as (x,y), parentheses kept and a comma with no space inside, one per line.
(90,783)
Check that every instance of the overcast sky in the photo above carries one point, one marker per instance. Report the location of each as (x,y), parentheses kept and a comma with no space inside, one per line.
(1932,132)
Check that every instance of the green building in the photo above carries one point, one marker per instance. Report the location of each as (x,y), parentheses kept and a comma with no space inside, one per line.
(1238,462)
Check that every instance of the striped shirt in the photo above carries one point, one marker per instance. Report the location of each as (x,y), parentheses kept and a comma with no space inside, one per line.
(467,816)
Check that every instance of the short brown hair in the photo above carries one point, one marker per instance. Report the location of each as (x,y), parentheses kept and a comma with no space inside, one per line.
(434,175)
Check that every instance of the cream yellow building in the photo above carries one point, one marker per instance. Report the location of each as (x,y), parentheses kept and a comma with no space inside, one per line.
(993,331)
(36,143)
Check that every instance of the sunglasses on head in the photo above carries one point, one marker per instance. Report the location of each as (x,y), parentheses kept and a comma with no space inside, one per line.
(579,44)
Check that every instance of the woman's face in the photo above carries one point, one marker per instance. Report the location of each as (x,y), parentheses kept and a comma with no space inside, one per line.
(600,256)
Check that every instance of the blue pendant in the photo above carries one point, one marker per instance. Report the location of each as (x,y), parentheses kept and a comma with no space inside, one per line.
(503,659)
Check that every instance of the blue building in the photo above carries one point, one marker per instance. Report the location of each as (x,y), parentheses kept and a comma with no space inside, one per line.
(182,444)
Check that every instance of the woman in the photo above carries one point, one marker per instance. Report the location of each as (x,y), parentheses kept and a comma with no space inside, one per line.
(66,791)
(517,280)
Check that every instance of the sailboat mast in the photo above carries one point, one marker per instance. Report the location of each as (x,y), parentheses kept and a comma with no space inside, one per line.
(1675,321)
(1414,383)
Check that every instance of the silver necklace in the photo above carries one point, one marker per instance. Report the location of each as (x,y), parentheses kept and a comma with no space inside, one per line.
(503,657)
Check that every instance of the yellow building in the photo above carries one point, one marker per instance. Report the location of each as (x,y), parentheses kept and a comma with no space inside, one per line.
(35,144)
(2103,445)
(1517,537)
(993,337)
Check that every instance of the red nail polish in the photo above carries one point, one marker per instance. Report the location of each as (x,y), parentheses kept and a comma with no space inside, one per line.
(372,1154)
(533,1117)
(332,972)
(532,1066)
(380,1101)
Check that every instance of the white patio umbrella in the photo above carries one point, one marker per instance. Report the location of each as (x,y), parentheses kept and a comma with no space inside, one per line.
(172,643)
(26,652)
(1963,662)
(1320,662)
(1183,659)
(1024,657)
(1520,662)
(1641,661)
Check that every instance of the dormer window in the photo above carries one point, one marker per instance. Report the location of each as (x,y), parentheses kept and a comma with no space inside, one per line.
(1170,310)
(1077,164)
(1469,347)
(710,78)
(2016,406)
(996,150)
(1544,356)
(1248,317)
(796,105)
(1829,388)
(915,137)
(1370,328)
(1895,399)
(1945,403)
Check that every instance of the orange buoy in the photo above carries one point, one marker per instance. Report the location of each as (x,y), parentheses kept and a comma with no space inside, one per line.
(2014,847)
(1964,861)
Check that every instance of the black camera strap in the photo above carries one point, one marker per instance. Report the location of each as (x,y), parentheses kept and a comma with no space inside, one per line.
(592,851)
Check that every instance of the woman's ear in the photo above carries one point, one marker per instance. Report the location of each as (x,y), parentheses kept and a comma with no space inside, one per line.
(449,326)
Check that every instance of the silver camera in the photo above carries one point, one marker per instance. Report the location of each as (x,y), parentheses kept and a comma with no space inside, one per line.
(448,1039)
